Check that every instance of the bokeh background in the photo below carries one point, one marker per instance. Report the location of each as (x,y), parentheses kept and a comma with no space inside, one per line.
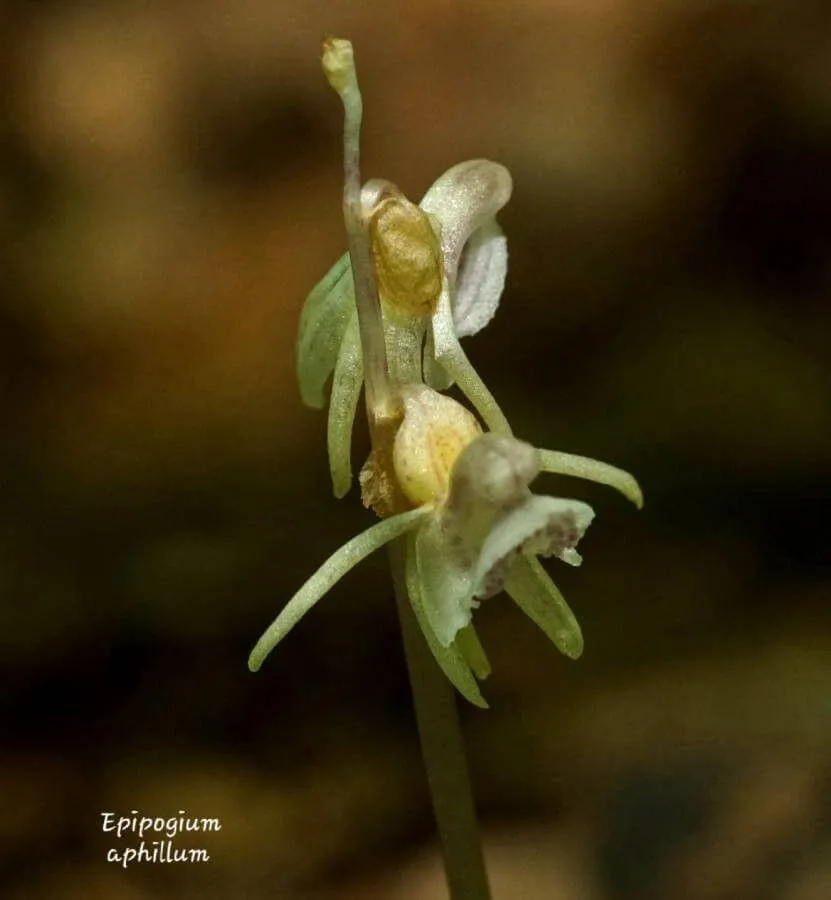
(169,192)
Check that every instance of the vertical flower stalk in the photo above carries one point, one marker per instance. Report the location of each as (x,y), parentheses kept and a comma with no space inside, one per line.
(442,749)
(434,698)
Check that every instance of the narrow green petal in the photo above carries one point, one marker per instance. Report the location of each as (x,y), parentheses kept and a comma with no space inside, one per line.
(450,659)
(452,358)
(435,375)
(538,597)
(592,470)
(325,315)
(346,389)
(446,582)
(338,564)
(473,652)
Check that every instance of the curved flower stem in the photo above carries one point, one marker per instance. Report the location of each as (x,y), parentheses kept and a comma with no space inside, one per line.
(339,66)
(442,749)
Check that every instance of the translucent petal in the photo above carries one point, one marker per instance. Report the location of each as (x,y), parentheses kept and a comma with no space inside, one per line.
(537,596)
(473,652)
(592,470)
(404,336)
(452,358)
(493,470)
(490,477)
(480,280)
(338,564)
(446,582)
(450,658)
(323,322)
(346,389)
(548,526)
(462,200)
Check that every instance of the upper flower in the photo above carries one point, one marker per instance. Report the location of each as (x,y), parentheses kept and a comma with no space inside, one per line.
(440,268)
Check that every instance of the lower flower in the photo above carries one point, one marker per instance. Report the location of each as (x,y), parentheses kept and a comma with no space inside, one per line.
(476,530)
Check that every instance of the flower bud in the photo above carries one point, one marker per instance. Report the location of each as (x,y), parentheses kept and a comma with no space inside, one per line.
(433,433)
(407,255)
(338,63)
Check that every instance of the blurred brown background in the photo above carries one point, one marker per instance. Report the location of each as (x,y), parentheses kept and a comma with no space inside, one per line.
(169,192)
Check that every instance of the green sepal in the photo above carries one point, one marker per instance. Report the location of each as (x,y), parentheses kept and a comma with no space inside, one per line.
(538,597)
(473,652)
(343,560)
(323,321)
(343,403)
(592,470)
(448,353)
(446,582)
(450,658)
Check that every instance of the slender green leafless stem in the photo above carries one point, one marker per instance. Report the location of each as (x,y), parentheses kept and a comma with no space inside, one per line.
(443,751)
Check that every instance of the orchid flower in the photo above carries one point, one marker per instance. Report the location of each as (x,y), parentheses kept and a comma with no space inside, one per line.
(416,279)
(455,259)
(447,287)
(475,530)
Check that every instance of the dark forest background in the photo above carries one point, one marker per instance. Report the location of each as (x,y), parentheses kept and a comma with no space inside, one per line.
(169,193)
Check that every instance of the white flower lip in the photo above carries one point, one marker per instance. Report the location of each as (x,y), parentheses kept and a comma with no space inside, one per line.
(541,526)
(464,199)
(464,202)
(483,268)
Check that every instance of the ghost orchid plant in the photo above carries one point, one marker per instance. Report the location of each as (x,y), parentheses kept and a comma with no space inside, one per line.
(454,498)
(461,496)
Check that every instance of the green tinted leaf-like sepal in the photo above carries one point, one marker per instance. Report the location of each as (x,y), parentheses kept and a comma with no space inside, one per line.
(538,597)
(473,652)
(451,658)
(446,582)
(326,314)
(592,470)
(343,403)
(449,355)
(339,563)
